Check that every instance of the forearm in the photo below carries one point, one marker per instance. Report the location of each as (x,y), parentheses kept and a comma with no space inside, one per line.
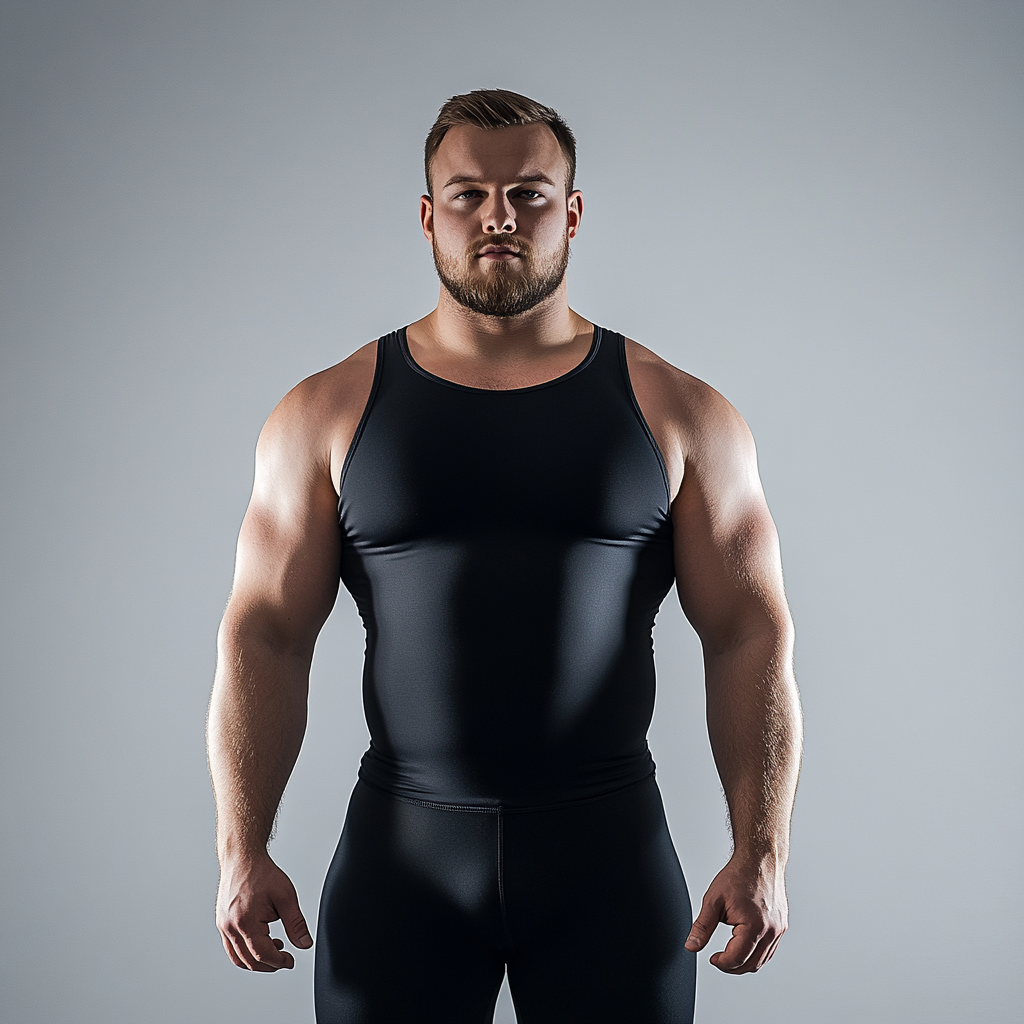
(754,725)
(256,724)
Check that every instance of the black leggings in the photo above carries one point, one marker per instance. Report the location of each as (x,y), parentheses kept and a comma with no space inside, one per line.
(425,904)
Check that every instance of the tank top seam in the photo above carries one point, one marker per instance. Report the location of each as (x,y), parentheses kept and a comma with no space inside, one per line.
(378,372)
(639,413)
(591,356)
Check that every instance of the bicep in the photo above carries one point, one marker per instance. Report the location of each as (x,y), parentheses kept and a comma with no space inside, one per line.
(289,546)
(728,568)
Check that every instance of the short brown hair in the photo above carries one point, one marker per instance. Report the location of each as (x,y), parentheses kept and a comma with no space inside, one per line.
(499,108)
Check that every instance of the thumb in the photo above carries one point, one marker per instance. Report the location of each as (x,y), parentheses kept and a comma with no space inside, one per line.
(296,929)
(703,927)
(295,926)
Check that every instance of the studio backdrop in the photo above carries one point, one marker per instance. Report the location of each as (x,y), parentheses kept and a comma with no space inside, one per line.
(813,206)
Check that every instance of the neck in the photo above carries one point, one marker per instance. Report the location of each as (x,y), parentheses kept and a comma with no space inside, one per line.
(454,331)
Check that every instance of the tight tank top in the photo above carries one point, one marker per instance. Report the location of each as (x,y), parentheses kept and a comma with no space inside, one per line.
(508,552)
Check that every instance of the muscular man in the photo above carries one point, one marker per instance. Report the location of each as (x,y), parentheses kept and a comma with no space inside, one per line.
(508,491)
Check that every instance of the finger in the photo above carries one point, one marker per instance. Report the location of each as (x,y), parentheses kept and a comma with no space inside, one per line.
(251,938)
(241,947)
(233,956)
(738,949)
(760,955)
(279,943)
(262,948)
(771,950)
(703,927)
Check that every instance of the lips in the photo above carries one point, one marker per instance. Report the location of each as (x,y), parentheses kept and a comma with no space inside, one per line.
(488,250)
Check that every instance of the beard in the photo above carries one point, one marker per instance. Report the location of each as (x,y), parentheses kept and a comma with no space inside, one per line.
(504,289)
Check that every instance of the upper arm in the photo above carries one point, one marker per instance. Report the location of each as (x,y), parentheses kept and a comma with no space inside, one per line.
(289,547)
(728,568)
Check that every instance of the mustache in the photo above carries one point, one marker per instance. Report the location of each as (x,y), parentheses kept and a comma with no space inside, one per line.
(505,239)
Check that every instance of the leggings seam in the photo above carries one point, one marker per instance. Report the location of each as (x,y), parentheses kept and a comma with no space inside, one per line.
(501,878)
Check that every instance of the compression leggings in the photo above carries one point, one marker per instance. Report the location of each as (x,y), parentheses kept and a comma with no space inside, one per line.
(425,905)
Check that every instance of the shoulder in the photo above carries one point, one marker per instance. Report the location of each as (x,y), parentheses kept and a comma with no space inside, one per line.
(691,403)
(692,423)
(315,422)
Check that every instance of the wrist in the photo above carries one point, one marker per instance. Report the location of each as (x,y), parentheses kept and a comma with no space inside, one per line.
(763,859)
(239,852)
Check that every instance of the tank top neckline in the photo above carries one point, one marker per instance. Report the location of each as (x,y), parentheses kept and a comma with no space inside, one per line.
(595,344)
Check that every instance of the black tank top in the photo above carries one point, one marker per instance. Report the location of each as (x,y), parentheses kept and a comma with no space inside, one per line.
(508,552)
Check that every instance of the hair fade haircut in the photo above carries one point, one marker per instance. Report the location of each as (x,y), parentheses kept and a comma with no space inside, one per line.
(499,108)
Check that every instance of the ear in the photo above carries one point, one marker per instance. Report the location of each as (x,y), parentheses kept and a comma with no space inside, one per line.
(574,210)
(427,217)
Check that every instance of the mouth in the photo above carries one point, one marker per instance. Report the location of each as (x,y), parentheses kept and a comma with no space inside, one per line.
(498,252)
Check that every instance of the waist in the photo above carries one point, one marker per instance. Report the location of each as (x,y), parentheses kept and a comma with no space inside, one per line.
(494,783)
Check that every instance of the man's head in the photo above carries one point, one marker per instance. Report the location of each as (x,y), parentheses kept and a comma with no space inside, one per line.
(500,209)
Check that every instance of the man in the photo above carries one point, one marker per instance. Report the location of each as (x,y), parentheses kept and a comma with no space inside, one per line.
(508,492)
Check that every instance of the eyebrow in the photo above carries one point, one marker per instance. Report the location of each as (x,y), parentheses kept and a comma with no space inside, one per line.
(522,179)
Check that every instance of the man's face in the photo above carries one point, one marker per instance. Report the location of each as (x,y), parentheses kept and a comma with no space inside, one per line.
(500,221)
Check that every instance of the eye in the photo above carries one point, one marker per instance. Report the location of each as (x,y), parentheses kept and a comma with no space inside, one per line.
(470,193)
(528,193)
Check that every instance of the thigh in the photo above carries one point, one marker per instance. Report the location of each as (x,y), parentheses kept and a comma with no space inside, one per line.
(598,913)
(408,915)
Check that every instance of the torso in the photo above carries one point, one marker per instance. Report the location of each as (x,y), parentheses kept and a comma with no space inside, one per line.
(508,550)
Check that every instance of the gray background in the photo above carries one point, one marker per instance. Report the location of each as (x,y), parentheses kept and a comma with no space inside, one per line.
(814,206)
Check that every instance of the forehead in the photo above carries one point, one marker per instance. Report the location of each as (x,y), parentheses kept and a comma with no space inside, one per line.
(498,154)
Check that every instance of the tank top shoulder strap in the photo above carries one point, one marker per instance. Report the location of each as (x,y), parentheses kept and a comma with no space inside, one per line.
(386,348)
(612,358)
(389,354)
(609,364)
(607,358)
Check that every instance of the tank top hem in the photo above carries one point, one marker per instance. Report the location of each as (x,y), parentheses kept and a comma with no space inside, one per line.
(499,807)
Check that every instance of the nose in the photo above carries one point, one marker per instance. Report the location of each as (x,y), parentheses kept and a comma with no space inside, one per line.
(499,216)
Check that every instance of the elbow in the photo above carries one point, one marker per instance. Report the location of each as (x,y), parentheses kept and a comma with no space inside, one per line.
(768,630)
(245,629)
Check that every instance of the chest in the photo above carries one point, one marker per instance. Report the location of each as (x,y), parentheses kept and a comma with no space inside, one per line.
(447,462)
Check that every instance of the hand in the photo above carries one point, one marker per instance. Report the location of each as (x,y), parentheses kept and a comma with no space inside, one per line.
(253,893)
(753,900)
